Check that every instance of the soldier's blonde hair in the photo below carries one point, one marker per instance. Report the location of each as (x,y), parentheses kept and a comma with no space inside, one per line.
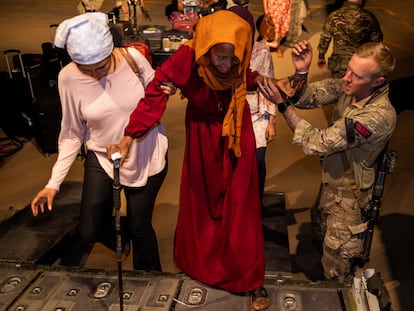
(382,55)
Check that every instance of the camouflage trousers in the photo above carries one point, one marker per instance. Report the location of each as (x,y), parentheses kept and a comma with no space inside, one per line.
(337,222)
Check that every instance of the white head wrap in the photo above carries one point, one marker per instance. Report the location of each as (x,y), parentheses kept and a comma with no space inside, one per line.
(87,38)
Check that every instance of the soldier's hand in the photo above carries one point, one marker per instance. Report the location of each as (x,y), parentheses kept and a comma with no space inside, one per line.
(321,61)
(302,56)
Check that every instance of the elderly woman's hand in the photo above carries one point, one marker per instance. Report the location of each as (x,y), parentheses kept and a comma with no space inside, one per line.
(270,91)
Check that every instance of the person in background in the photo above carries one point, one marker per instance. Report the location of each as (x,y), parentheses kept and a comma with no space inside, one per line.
(280,13)
(88,6)
(299,11)
(219,238)
(232,3)
(263,112)
(362,124)
(98,91)
(240,7)
(121,7)
(348,27)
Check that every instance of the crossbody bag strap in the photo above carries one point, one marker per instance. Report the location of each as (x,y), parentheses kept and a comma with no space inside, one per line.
(133,64)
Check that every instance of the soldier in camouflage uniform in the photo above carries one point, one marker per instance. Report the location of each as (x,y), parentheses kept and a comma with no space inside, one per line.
(361,126)
(348,27)
(123,9)
(85,6)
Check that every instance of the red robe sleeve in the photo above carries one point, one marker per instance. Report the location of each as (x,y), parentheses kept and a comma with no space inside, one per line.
(250,78)
(176,69)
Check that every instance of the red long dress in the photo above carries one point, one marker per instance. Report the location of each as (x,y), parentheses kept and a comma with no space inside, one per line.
(219,238)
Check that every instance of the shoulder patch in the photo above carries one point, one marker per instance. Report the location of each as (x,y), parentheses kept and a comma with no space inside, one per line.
(362,130)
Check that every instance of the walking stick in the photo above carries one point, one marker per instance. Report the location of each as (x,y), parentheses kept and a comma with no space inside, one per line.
(116,157)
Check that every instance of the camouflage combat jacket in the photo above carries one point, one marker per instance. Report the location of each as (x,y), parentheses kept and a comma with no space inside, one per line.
(89,6)
(349,27)
(360,130)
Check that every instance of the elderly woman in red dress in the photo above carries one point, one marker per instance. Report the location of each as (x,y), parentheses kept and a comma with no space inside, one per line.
(219,238)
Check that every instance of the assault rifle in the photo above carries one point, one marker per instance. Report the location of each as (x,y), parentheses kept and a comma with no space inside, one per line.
(385,165)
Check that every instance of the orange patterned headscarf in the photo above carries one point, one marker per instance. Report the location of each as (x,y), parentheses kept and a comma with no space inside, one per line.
(225,27)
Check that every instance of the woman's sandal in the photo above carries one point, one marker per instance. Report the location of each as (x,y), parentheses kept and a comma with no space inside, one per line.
(259,299)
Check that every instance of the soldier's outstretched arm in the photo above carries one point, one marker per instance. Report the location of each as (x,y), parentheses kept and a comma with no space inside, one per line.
(302,56)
